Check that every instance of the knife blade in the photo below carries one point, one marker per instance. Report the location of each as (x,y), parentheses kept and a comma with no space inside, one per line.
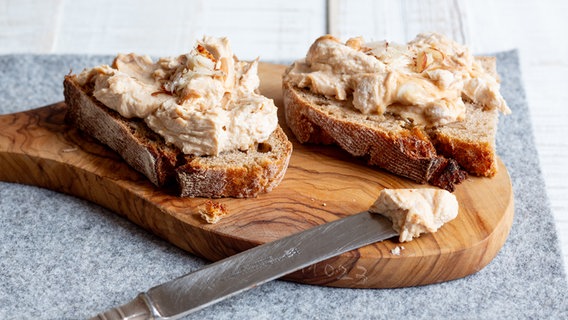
(253,267)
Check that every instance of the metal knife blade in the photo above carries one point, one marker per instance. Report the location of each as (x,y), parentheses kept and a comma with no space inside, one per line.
(253,267)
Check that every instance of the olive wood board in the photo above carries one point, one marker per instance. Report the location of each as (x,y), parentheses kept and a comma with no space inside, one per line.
(322,184)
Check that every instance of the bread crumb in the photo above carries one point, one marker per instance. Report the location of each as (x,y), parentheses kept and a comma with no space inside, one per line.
(396,251)
(324,204)
(212,212)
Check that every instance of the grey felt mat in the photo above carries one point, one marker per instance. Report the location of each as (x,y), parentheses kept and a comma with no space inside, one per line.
(65,258)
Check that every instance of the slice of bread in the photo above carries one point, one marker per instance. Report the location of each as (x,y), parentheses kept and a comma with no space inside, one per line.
(231,174)
(425,155)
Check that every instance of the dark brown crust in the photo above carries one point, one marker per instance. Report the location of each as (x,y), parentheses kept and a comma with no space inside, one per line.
(407,152)
(448,175)
(165,165)
(479,160)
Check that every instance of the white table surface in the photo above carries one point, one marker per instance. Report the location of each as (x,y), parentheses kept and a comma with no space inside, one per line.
(282,31)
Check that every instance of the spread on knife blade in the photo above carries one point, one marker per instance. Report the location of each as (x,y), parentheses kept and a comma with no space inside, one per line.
(416,211)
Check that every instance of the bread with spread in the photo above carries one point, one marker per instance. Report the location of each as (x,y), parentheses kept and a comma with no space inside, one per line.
(426,110)
(195,123)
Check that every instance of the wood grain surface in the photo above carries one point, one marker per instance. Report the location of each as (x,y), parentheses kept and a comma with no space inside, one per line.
(322,184)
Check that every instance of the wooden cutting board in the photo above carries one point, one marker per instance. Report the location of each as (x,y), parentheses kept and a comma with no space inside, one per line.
(322,184)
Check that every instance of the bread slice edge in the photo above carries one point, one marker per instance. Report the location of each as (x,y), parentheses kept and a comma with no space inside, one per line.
(405,150)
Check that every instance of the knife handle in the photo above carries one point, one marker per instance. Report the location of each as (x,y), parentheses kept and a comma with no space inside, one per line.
(138,309)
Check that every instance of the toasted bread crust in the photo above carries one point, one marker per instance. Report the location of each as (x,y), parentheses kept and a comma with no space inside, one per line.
(231,174)
(389,143)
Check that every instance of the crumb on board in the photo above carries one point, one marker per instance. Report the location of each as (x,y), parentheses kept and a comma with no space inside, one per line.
(396,250)
(212,212)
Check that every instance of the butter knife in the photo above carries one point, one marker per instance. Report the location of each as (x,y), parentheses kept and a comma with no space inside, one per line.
(253,267)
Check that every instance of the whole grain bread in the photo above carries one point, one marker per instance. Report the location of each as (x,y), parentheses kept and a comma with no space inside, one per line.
(231,174)
(441,156)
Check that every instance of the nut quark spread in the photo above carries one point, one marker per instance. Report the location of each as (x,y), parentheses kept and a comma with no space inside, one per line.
(204,102)
(426,80)
(416,211)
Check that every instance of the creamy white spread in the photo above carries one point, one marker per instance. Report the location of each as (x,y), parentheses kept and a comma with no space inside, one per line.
(416,211)
(426,80)
(205,102)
